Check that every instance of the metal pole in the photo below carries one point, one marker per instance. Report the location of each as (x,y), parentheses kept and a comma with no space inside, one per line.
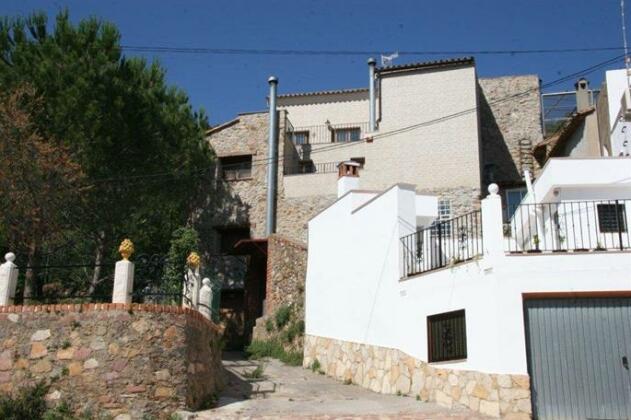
(372,100)
(272,156)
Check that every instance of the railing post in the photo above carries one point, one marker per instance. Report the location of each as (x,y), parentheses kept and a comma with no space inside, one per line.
(206,298)
(8,279)
(619,223)
(124,274)
(492,227)
(193,262)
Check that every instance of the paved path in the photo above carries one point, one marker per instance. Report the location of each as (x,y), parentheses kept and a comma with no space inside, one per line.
(293,392)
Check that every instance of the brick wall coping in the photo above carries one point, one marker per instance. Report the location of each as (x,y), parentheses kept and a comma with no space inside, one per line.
(133,307)
(284,239)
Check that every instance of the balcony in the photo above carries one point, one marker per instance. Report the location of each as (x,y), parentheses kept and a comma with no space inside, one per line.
(327,133)
(443,244)
(308,167)
(569,226)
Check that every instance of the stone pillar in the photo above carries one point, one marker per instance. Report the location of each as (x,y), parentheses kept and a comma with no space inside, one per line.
(8,279)
(192,281)
(492,224)
(206,299)
(124,274)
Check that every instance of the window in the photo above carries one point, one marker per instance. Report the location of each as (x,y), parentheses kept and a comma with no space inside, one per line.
(513,198)
(612,217)
(300,137)
(236,167)
(447,336)
(342,135)
(229,237)
(444,214)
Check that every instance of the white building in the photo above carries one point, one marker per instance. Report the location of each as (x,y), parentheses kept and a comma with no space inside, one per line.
(502,318)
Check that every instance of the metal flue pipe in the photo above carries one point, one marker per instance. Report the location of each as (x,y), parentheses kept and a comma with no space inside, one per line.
(372,100)
(272,156)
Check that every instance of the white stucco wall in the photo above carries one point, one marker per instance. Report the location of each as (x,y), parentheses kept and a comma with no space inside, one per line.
(354,292)
(317,109)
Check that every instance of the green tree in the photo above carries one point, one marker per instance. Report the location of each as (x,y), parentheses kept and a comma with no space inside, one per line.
(121,121)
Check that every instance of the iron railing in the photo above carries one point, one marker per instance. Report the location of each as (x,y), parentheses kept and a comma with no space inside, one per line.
(311,168)
(327,133)
(442,244)
(578,226)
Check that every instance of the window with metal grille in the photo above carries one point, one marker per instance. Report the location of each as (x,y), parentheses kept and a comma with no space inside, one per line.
(612,218)
(447,336)
(236,167)
(442,226)
(300,137)
(342,135)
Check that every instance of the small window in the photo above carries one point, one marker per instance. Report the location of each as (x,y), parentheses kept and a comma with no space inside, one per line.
(343,135)
(442,225)
(447,336)
(300,137)
(236,167)
(611,218)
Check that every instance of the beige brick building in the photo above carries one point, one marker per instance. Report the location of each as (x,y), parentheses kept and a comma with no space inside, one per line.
(438,126)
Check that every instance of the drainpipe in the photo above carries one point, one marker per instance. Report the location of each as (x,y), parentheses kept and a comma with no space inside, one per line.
(272,157)
(371,89)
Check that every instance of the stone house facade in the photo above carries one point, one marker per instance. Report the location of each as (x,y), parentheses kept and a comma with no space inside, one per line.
(439,127)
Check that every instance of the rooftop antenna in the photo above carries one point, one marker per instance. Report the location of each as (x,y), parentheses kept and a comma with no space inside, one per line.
(624,39)
(387,60)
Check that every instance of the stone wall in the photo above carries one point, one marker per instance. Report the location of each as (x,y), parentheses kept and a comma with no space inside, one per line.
(391,371)
(286,272)
(510,125)
(111,359)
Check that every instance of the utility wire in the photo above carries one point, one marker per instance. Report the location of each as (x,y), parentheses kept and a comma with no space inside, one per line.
(162,176)
(291,52)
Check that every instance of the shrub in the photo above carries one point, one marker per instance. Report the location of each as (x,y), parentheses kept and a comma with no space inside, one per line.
(256,373)
(282,316)
(315,366)
(28,403)
(269,325)
(274,349)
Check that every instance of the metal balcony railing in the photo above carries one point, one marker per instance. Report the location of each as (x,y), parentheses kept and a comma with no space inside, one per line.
(327,133)
(444,243)
(577,226)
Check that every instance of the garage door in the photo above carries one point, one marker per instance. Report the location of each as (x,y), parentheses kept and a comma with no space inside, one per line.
(579,352)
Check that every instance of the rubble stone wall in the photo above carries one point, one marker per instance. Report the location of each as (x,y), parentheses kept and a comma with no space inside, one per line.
(112,359)
(390,371)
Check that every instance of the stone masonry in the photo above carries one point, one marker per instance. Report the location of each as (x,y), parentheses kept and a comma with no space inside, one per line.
(510,125)
(133,360)
(391,371)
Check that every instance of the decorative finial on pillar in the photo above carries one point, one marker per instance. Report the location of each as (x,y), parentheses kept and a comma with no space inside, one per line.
(493,189)
(193,260)
(126,248)
(9,257)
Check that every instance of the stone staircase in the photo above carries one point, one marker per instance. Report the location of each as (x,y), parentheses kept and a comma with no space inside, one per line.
(239,381)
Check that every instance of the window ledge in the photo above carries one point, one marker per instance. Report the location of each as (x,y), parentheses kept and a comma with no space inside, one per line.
(239,179)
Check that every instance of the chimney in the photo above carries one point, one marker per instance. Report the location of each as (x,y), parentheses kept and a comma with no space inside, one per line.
(583,95)
(372,106)
(348,177)
(272,157)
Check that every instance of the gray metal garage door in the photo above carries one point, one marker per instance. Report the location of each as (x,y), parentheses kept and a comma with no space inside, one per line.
(579,351)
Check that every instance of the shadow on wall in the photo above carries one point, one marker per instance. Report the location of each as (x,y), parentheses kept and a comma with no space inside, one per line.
(498,165)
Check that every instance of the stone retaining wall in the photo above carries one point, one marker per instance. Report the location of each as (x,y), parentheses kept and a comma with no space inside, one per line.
(112,359)
(391,371)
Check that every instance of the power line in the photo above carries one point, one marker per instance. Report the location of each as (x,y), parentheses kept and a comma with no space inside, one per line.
(164,176)
(291,52)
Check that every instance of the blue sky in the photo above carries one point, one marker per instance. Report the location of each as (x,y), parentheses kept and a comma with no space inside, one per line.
(227,84)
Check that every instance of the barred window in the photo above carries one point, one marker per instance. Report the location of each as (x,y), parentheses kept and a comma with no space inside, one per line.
(300,137)
(447,336)
(611,218)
